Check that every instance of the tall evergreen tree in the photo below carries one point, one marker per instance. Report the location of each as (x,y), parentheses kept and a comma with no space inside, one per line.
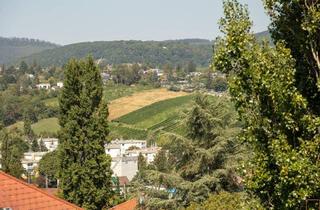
(12,148)
(85,174)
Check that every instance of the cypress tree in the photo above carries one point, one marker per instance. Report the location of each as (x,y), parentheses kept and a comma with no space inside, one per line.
(84,168)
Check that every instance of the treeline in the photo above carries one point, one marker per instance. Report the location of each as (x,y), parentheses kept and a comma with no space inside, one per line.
(13,48)
(153,53)
(14,41)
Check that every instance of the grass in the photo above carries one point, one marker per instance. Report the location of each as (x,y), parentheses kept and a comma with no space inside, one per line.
(159,115)
(48,125)
(53,102)
(112,92)
(118,130)
(125,105)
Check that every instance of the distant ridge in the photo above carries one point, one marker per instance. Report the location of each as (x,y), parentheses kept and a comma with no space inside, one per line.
(156,53)
(115,52)
(14,48)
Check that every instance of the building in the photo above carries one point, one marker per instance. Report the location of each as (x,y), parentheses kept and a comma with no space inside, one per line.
(124,166)
(50,143)
(31,160)
(114,150)
(119,147)
(60,84)
(16,194)
(45,86)
(149,153)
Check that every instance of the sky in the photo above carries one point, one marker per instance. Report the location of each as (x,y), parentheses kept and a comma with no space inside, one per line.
(70,21)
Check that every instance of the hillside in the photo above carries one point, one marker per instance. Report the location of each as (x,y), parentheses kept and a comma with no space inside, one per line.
(125,105)
(14,48)
(115,52)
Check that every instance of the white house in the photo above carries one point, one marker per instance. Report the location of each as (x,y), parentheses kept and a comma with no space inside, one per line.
(50,143)
(124,166)
(123,145)
(149,153)
(114,150)
(31,160)
(45,86)
(60,84)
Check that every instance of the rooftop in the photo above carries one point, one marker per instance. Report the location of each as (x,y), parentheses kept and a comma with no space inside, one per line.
(128,205)
(16,194)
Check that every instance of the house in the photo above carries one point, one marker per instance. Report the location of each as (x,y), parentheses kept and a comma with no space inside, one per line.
(114,150)
(50,143)
(45,86)
(119,147)
(31,160)
(60,84)
(17,194)
(149,153)
(124,166)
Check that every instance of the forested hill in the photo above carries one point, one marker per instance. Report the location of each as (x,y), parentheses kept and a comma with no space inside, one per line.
(115,52)
(155,53)
(14,48)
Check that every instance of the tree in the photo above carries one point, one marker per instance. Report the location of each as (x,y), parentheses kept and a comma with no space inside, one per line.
(12,148)
(28,132)
(34,145)
(297,23)
(42,146)
(191,67)
(142,162)
(281,124)
(199,165)
(161,161)
(84,168)
(23,67)
(49,165)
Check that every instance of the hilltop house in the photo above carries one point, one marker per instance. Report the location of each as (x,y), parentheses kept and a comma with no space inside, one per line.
(45,86)
(119,147)
(149,153)
(50,143)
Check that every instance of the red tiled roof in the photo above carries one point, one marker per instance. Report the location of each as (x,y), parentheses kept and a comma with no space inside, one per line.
(18,195)
(128,205)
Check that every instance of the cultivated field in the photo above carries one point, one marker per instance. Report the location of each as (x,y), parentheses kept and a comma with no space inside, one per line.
(125,105)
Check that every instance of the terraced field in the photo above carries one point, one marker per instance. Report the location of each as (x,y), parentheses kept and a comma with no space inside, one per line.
(162,115)
(125,105)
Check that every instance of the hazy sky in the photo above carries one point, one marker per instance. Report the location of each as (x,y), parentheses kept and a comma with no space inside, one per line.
(70,21)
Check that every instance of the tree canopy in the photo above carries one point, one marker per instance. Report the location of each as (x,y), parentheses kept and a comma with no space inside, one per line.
(84,167)
(281,118)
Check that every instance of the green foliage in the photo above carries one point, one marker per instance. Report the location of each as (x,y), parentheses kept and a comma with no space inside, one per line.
(297,23)
(84,168)
(120,130)
(161,161)
(155,113)
(49,165)
(12,148)
(227,201)
(156,53)
(34,145)
(281,124)
(200,165)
